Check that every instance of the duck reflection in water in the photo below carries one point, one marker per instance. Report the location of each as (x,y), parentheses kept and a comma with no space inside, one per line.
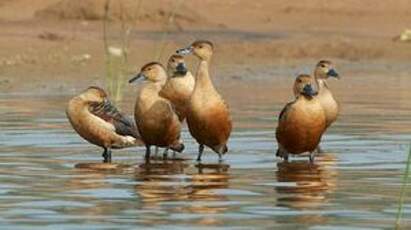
(305,186)
(161,183)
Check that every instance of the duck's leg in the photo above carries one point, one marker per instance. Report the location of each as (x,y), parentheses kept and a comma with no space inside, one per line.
(220,157)
(107,155)
(155,151)
(282,153)
(319,150)
(312,156)
(165,154)
(104,155)
(200,152)
(285,157)
(147,156)
(174,154)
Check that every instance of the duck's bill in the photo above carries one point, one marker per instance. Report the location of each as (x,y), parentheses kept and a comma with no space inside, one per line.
(181,69)
(308,90)
(333,73)
(139,76)
(185,51)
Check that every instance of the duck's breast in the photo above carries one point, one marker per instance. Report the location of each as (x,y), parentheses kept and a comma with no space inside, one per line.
(301,126)
(209,120)
(159,125)
(329,104)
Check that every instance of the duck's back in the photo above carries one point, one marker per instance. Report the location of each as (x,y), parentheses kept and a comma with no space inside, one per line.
(100,130)
(301,125)
(92,128)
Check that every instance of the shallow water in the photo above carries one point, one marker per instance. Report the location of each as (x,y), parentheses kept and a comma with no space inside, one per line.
(354,185)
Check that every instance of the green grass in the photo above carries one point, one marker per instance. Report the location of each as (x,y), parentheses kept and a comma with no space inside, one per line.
(116,65)
(403,191)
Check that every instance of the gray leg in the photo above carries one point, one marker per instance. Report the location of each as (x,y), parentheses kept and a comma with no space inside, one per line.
(165,154)
(147,156)
(312,156)
(282,154)
(200,152)
(220,157)
(285,157)
(155,151)
(319,149)
(174,154)
(107,155)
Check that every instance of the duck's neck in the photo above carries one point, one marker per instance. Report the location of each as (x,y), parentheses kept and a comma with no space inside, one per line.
(322,83)
(203,77)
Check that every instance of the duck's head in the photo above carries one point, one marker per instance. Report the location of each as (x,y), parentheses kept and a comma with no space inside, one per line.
(325,69)
(305,85)
(152,71)
(176,66)
(94,94)
(202,49)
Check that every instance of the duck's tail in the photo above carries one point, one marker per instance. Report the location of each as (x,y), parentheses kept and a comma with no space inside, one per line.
(178,147)
(220,149)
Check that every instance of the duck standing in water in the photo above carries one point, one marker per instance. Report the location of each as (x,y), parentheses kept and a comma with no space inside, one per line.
(323,70)
(302,122)
(155,117)
(208,118)
(95,119)
(179,85)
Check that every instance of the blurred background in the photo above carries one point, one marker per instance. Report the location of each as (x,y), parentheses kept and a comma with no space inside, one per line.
(50,50)
(51,46)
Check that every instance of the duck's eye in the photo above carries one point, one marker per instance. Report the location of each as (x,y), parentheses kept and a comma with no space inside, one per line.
(172,60)
(200,46)
(322,66)
(299,80)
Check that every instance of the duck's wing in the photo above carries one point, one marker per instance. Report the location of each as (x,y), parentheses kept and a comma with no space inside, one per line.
(284,110)
(109,113)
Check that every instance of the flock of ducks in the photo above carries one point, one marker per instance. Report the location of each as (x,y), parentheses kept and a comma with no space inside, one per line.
(171,94)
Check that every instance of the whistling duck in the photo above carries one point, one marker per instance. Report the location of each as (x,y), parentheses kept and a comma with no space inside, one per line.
(323,70)
(179,85)
(302,122)
(208,119)
(155,117)
(95,119)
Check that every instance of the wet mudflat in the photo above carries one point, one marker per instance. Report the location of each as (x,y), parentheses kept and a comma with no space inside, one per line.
(354,185)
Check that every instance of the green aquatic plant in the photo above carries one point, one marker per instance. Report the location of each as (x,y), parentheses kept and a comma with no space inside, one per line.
(116,56)
(403,192)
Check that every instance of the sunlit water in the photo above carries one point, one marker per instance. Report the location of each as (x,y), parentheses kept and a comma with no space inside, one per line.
(354,185)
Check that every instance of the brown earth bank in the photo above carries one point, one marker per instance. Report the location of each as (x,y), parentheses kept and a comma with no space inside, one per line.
(56,46)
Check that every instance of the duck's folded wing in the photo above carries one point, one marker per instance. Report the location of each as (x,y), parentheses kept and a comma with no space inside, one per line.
(284,111)
(108,112)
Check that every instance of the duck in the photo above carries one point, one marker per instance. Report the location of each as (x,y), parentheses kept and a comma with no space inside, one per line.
(97,120)
(179,85)
(156,119)
(323,70)
(208,118)
(302,122)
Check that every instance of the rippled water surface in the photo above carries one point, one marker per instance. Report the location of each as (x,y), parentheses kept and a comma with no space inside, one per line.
(44,183)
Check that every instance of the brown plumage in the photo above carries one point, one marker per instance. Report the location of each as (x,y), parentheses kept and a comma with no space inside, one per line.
(302,122)
(155,117)
(208,119)
(179,85)
(95,119)
(323,70)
